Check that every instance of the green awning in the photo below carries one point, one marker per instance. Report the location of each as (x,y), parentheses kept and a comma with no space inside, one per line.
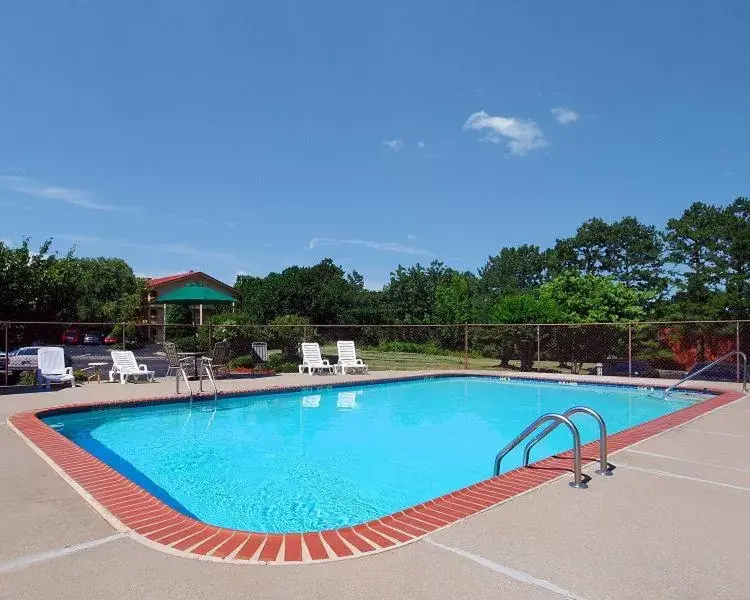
(194,293)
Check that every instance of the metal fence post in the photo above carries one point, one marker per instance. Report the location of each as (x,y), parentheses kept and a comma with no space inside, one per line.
(123,336)
(304,333)
(538,348)
(466,345)
(736,347)
(630,349)
(6,326)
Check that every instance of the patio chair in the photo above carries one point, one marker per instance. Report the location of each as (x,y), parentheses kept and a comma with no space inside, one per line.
(219,359)
(312,360)
(348,359)
(125,365)
(51,367)
(175,362)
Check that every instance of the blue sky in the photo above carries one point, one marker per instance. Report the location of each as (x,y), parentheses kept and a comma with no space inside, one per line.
(237,136)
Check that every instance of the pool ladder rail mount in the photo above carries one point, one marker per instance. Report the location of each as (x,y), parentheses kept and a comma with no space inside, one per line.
(206,368)
(710,365)
(556,421)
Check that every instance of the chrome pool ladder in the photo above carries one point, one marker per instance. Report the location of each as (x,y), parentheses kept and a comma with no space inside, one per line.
(604,468)
(208,369)
(556,420)
(181,371)
(710,365)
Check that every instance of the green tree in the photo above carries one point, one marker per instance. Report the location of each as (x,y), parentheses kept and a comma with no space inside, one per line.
(35,286)
(453,299)
(108,290)
(734,259)
(516,269)
(694,248)
(410,294)
(591,299)
(627,250)
(516,338)
(322,293)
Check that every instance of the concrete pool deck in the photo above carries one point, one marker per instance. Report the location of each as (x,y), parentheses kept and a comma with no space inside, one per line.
(671,523)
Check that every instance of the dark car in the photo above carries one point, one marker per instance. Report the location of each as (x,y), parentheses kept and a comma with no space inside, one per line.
(93,338)
(71,337)
(723,371)
(619,367)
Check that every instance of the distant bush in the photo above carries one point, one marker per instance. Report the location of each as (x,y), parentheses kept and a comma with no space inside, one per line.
(278,364)
(190,343)
(246,361)
(80,376)
(430,348)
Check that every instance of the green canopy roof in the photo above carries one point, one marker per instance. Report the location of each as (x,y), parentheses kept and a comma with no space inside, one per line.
(194,293)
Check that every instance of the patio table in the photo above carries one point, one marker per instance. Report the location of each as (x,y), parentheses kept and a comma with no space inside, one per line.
(195,356)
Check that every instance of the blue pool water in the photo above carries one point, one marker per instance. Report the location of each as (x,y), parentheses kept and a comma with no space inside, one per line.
(326,458)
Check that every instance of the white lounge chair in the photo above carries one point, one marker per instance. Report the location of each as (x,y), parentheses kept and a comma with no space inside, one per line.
(312,360)
(348,359)
(51,367)
(125,365)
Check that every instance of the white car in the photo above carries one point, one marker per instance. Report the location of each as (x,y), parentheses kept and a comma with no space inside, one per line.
(25,359)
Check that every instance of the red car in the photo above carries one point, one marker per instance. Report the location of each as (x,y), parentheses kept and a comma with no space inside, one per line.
(111,340)
(71,337)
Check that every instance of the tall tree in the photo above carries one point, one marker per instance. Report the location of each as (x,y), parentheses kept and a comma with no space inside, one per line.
(734,258)
(515,269)
(410,293)
(693,247)
(628,250)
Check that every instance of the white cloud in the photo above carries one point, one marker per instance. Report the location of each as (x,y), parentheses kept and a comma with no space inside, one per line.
(420,144)
(391,145)
(522,136)
(411,237)
(565,115)
(178,248)
(382,246)
(38,189)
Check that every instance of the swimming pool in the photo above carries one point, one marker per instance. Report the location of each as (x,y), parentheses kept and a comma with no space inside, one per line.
(327,458)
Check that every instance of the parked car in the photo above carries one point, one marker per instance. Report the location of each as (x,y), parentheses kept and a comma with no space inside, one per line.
(72,337)
(25,359)
(93,338)
(619,368)
(723,371)
(110,340)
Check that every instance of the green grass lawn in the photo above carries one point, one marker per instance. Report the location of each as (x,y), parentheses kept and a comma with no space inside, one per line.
(410,361)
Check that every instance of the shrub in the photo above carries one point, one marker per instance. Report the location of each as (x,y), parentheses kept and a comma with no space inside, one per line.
(190,343)
(246,361)
(287,333)
(278,364)
(80,376)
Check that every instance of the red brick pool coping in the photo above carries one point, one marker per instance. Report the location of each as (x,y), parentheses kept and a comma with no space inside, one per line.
(128,507)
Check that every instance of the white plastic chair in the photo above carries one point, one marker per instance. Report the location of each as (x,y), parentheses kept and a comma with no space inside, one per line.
(348,358)
(51,367)
(125,365)
(312,360)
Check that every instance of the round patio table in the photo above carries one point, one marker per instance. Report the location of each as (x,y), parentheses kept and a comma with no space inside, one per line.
(195,356)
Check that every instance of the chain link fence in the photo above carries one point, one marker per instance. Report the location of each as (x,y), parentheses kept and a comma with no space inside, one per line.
(656,349)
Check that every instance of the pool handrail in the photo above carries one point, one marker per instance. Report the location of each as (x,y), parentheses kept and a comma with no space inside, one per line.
(604,468)
(208,368)
(181,371)
(577,475)
(713,363)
